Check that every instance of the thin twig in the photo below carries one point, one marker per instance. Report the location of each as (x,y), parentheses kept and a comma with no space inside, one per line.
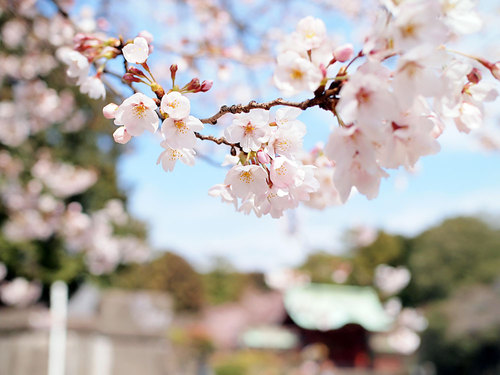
(112,89)
(220,140)
(61,11)
(129,84)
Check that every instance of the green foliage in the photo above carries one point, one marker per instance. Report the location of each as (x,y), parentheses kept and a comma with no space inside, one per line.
(320,265)
(386,249)
(170,273)
(461,251)
(248,362)
(224,284)
(463,337)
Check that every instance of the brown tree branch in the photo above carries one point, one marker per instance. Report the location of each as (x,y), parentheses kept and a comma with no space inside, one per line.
(220,140)
(323,99)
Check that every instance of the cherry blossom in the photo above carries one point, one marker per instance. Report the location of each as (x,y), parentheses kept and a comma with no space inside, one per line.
(94,87)
(19,292)
(180,133)
(169,157)
(311,32)
(283,172)
(175,105)
(136,52)
(460,16)
(391,280)
(417,23)
(78,65)
(389,103)
(356,163)
(246,179)
(343,53)
(295,73)
(121,135)
(224,192)
(251,130)
(136,114)
(109,111)
(366,98)
(287,139)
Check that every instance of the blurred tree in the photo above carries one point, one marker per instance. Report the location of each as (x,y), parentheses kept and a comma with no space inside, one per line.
(64,128)
(224,284)
(386,249)
(460,251)
(170,273)
(463,337)
(321,265)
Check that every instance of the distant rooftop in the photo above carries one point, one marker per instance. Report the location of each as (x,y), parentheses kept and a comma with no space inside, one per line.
(326,307)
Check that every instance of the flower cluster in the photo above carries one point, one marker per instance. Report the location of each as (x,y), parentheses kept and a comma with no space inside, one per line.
(37,211)
(267,177)
(392,100)
(18,292)
(389,117)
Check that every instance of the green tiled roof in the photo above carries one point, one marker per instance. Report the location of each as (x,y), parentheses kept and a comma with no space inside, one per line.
(269,337)
(325,307)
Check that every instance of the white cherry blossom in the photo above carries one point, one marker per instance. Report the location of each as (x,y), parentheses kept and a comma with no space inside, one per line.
(417,22)
(93,87)
(136,52)
(175,105)
(121,135)
(391,280)
(246,179)
(287,138)
(250,130)
(78,65)
(295,73)
(409,136)
(109,111)
(20,292)
(225,194)
(136,114)
(283,171)
(180,133)
(169,157)
(311,32)
(366,99)
(460,16)
(274,202)
(356,162)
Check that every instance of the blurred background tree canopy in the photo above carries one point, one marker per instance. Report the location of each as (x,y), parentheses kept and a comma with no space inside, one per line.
(90,147)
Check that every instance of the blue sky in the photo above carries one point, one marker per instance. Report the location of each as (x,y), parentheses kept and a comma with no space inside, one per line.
(461,180)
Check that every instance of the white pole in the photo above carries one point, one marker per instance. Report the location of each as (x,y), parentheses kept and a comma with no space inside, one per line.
(102,356)
(58,317)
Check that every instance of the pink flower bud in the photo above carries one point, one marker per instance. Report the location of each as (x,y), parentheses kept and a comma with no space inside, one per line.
(263,157)
(474,76)
(137,72)
(206,85)
(146,35)
(193,85)
(121,136)
(109,111)
(173,71)
(129,78)
(343,52)
(495,70)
